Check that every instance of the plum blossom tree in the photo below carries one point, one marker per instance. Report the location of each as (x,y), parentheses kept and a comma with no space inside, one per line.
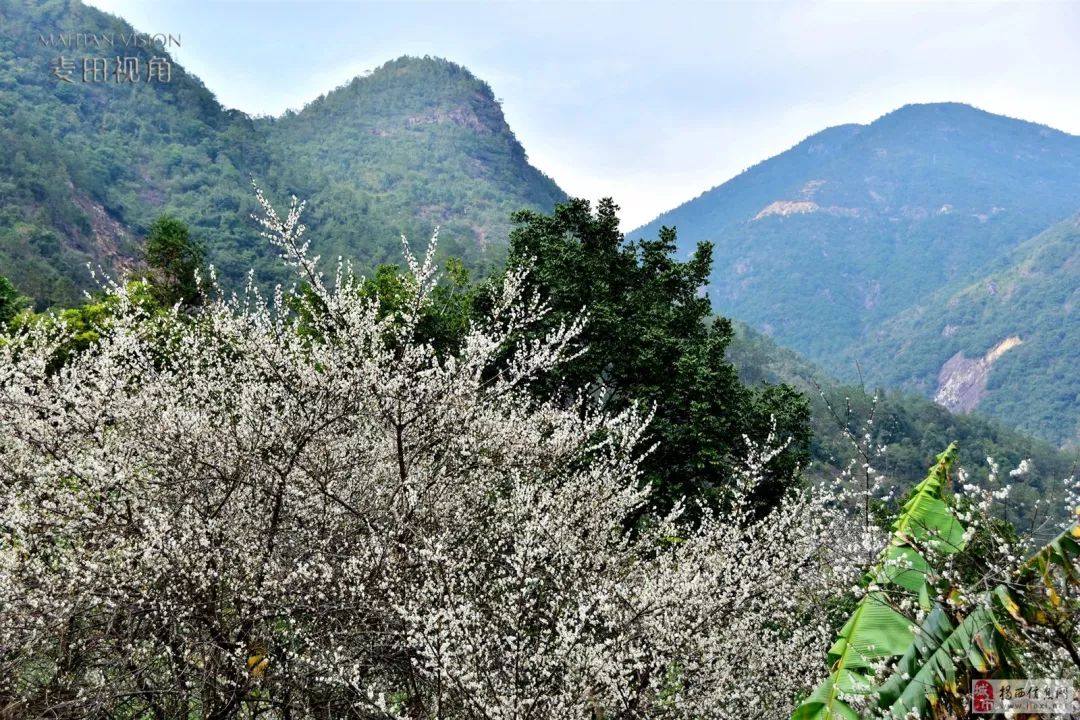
(215,515)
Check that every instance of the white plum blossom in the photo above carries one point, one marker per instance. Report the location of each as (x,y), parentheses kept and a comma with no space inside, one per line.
(236,514)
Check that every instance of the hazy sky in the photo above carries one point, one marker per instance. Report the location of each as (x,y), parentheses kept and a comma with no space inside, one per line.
(651,103)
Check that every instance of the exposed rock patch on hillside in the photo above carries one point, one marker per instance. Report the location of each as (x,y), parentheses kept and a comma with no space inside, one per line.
(788,207)
(962,380)
(463,116)
(800,207)
(109,238)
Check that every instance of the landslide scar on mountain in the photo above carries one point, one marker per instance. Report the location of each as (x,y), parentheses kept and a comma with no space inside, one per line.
(962,380)
(109,240)
(788,207)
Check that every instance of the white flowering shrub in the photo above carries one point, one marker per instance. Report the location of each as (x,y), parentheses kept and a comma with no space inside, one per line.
(228,515)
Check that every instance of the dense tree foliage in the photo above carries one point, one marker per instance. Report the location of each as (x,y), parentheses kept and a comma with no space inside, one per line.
(176,259)
(11,302)
(651,342)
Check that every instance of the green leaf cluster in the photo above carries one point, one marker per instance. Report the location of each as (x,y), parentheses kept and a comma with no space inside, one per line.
(887,662)
(652,340)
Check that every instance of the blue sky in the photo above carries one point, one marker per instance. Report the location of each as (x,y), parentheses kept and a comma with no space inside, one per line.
(649,103)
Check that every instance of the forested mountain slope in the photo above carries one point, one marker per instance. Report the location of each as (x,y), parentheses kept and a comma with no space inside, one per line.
(1004,344)
(85,167)
(906,425)
(854,224)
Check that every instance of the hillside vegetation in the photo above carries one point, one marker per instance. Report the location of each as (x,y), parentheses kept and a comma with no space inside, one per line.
(85,168)
(903,428)
(823,245)
(1022,316)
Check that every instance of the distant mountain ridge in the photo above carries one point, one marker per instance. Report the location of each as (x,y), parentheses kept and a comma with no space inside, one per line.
(933,190)
(85,167)
(822,245)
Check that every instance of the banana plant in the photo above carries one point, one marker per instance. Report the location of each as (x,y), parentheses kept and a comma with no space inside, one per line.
(927,665)
(984,642)
(879,632)
(1034,596)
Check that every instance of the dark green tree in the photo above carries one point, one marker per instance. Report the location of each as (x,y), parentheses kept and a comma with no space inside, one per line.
(651,340)
(175,258)
(444,322)
(11,302)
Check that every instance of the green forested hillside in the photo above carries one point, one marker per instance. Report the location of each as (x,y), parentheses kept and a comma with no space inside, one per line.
(85,167)
(907,424)
(417,143)
(820,243)
(823,244)
(1031,297)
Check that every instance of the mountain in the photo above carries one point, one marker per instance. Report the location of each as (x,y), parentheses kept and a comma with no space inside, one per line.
(416,138)
(910,427)
(819,244)
(850,248)
(85,167)
(1005,343)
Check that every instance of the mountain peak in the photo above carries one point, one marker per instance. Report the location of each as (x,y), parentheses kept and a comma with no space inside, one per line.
(857,222)
(944,107)
(412,91)
(407,64)
(426,72)
(959,116)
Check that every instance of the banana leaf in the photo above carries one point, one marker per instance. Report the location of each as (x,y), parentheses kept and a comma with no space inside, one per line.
(877,631)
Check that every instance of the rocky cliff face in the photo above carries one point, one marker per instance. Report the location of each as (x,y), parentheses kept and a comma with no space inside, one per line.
(962,380)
